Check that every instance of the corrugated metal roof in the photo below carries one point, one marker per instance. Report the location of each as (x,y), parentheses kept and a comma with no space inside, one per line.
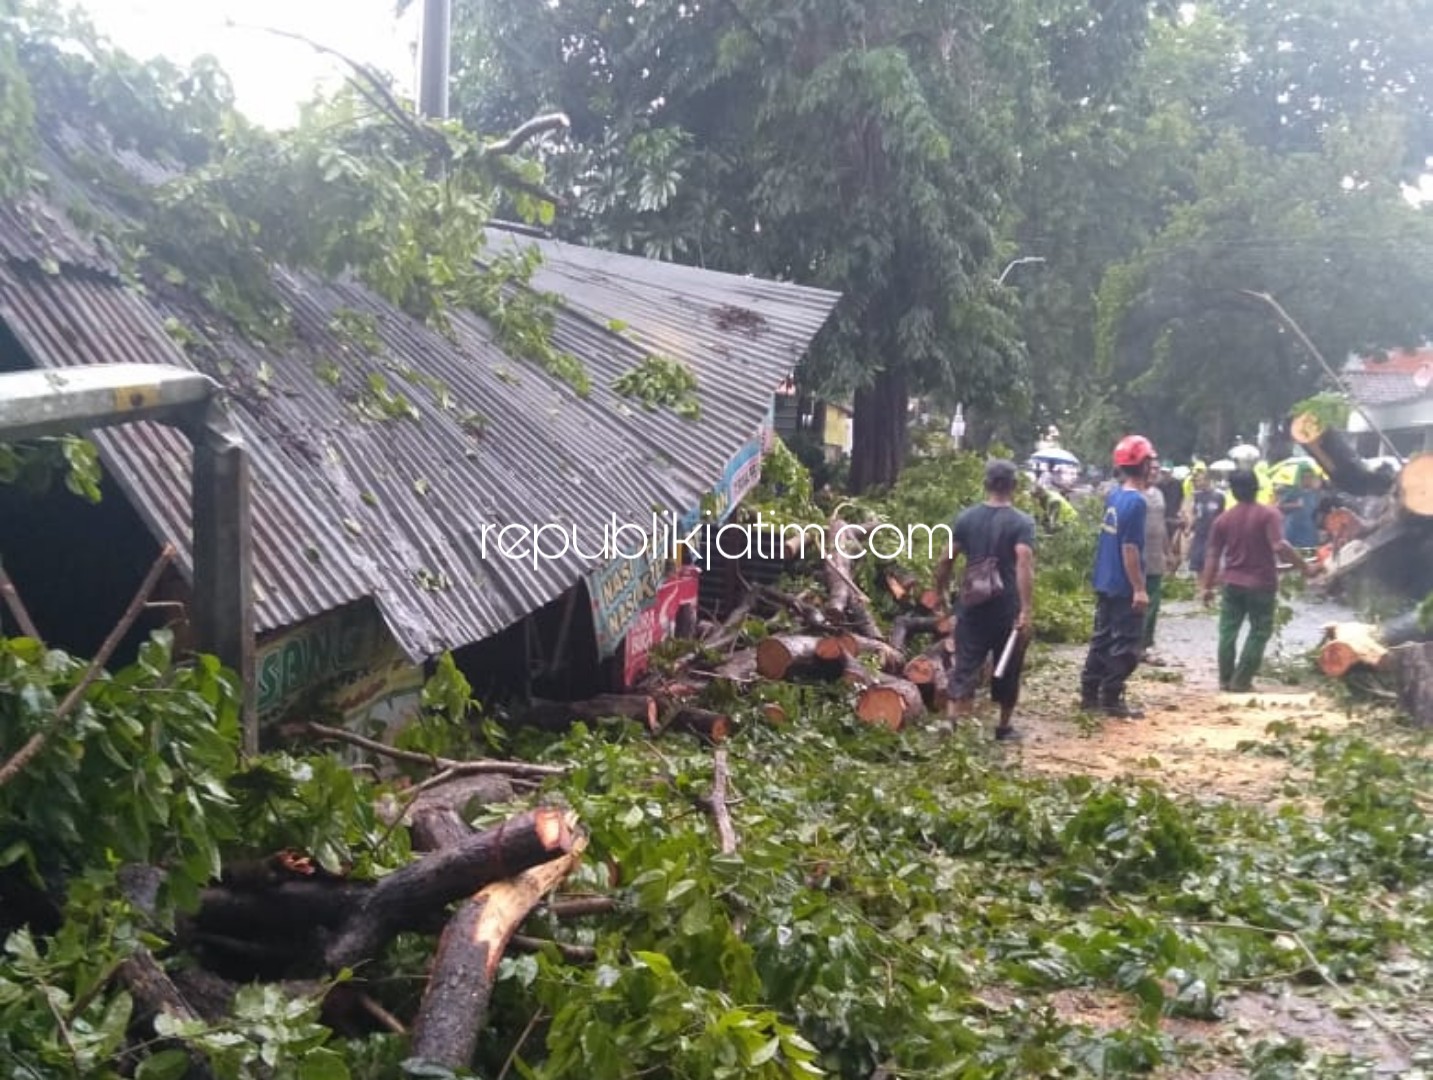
(347,507)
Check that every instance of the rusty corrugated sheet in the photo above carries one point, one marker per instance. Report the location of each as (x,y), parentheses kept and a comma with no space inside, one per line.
(347,506)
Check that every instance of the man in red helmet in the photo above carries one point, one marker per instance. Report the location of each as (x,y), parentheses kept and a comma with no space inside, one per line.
(1120,596)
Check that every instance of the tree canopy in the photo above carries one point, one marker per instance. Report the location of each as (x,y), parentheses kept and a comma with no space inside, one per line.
(866,147)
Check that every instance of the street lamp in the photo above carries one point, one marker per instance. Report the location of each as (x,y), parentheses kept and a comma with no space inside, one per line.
(957,426)
(1017,262)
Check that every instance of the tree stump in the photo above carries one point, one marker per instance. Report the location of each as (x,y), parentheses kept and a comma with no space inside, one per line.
(1413,668)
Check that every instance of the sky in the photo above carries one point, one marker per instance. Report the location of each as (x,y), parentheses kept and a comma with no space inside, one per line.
(271,76)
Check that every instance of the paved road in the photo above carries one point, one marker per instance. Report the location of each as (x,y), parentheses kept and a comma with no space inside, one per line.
(1188,635)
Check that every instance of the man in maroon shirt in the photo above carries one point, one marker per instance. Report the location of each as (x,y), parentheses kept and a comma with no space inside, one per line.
(1247,540)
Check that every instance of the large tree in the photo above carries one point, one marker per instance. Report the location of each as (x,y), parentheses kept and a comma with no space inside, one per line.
(869,146)
(1280,144)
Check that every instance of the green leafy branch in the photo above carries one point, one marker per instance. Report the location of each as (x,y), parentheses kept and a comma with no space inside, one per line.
(659,381)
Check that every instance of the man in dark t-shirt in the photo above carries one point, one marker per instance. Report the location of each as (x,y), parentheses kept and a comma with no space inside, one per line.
(1247,540)
(996,532)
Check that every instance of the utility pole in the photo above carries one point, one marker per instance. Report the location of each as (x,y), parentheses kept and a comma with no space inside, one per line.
(436,45)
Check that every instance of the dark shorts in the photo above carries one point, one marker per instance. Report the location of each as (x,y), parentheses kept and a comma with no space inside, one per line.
(978,635)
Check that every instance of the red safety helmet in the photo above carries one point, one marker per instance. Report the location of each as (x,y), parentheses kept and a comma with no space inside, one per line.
(1133,450)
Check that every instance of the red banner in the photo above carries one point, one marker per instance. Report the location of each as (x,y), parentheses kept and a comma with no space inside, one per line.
(656,622)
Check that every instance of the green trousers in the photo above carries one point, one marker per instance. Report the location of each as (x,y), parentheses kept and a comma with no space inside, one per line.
(1154,586)
(1238,604)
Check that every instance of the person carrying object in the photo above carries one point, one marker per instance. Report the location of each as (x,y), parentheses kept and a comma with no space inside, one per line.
(994,605)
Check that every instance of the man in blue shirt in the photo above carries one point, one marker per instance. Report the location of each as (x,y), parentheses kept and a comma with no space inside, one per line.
(1120,596)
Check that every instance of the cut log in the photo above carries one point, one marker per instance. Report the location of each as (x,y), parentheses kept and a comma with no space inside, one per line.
(891,703)
(436,880)
(1346,470)
(903,627)
(891,659)
(849,644)
(1347,645)
(792,656)
(774,713)
(455,1004)
(1413,669)
(921,670)
(930,600)
(714,727)
(1415,486)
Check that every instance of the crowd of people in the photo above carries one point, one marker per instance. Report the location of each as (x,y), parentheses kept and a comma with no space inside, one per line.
(1231,529)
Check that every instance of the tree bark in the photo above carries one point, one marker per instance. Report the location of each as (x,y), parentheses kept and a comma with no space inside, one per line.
(891,703)
(1413,666)
(432,882)
(721,813)
(714,727)
(1346,470)
(879,435)
(1415,486)
(460,985)
(904,626)
(799,656)
(1347,645)
(891,658)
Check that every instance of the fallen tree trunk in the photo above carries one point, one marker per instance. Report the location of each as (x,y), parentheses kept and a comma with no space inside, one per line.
(454,1009)
(1415,486)
(1413,669)
(1347,645)
(560,715)
(1346,470)
(890,703)
(891,658)
(904,626)
(714,727)
(791,656)
(430,883)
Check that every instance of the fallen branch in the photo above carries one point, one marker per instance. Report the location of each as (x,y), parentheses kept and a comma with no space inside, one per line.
(37,741)
(720,810)
(427,884)
(527,131)
(17,606)
(573,954)
(576,907)
(1318,968)
(455,1003)
(413,757)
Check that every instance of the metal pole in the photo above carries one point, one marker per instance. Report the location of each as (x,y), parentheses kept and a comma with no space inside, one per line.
(223,557)
(433,65)
(1298,332)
